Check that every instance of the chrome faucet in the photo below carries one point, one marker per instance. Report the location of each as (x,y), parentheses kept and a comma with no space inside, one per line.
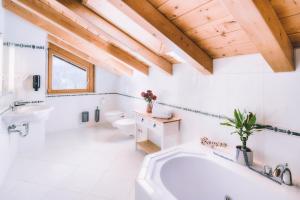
(22,103)
(284,174)
(17,104)
(281,174)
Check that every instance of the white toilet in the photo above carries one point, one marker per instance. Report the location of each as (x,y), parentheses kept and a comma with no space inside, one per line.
(117,120)
(114,115)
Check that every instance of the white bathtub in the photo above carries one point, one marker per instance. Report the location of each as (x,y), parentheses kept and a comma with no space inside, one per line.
(184,174)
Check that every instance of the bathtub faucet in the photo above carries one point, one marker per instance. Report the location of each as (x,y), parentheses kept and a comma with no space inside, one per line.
(281,174)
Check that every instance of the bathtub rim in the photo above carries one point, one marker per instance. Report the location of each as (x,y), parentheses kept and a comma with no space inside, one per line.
(149,177)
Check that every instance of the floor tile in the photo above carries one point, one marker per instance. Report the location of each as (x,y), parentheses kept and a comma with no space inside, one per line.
(96,163)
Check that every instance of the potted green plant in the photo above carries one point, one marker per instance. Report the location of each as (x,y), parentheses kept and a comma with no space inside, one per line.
(244,125)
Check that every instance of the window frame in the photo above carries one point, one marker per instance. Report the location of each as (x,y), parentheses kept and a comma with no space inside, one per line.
(56,51)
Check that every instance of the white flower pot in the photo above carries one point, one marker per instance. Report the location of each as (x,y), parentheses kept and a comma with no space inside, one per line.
(240,156)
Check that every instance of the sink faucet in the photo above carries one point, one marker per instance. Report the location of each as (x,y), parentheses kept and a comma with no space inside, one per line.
(22,103)
(17,104)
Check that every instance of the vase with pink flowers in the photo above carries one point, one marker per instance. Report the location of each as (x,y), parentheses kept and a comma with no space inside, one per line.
(149,97)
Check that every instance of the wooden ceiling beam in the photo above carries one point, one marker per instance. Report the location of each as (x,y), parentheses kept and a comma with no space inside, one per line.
(152,17)
(117,36)
(121,69)
(264,29)
(63,16)
(58,31)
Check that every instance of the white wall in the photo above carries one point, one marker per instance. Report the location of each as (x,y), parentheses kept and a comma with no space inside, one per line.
(244,82)
(28,62)
(67,109)
(5,146)
(25,62)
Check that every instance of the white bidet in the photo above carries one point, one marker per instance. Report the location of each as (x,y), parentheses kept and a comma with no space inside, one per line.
(126,126)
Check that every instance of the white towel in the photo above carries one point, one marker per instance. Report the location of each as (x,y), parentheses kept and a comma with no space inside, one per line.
(162,113)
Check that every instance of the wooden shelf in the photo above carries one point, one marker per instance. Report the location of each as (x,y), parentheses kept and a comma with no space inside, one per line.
(148,146)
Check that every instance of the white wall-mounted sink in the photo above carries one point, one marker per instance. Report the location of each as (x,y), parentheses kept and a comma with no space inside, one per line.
(25,114)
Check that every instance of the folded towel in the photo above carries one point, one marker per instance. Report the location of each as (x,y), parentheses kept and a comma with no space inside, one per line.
(162,113)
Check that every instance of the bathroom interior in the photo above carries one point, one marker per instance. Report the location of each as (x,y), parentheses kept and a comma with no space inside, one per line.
(149,99)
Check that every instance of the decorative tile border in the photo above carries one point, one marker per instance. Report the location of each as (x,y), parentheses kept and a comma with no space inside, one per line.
(268,127)
(78,95)
(22,45)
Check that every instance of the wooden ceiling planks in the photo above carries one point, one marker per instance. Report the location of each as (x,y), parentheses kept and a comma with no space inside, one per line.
(209,24)
(205,13)
(226,39)
(212,27)
(291,24)
(176,8)
(233,50)
(124,23)
(288,12)
(157,3)
(265,30)
(286,8)
(61,15)
(116,36)
(150,18)
(56,30)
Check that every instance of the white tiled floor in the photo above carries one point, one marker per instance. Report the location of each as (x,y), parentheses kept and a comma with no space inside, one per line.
(86,164)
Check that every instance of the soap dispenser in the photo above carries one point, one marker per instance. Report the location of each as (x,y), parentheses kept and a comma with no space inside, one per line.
(36,82)
(97,115)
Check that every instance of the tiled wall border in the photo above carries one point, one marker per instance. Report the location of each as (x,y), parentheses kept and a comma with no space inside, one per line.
(269,127)
(23,45)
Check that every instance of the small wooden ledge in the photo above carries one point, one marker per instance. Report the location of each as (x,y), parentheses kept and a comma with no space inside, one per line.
(148,146)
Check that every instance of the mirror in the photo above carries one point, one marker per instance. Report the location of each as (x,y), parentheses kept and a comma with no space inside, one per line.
(7,67)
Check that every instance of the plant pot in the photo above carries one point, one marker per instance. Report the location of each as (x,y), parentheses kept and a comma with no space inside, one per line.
(149,107)
(241,156)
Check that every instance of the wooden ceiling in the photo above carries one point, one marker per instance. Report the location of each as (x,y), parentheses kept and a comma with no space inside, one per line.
(136,34)
(209,24)
(214,29)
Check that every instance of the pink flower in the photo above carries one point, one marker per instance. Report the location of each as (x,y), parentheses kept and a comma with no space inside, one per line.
(149,96)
